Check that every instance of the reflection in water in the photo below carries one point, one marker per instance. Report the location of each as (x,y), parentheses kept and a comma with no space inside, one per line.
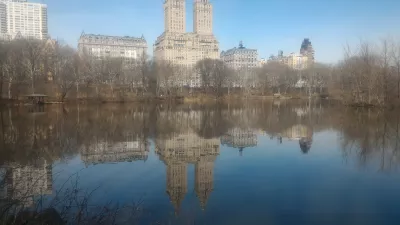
(106,152)
(179,151)
(301,133)
(184,136)
(23,183)
(239,138)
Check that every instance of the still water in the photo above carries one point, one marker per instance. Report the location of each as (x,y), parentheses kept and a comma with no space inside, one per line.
(252,163)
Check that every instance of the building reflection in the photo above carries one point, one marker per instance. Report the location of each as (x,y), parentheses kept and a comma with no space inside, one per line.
(23,183)
(177,152)
(240,138)
(134,149)
(301,133)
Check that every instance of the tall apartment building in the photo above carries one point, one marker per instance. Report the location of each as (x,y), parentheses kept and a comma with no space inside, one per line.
(307,49)
(180,47)
(175,16)
(26,19)
(3,18)
(240,58)
(203,17)
(101,46)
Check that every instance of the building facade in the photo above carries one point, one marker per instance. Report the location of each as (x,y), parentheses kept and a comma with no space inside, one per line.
(203,17)
(296,61)
(26,19)
(102,46)
(175,16)
(183,48)
(3,18)
(240,58)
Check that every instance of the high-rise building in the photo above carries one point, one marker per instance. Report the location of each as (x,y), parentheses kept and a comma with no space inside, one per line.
(101,46)
(240,58)
(26,19)
(3,18)
(203,17)
(175,16)
(182,48)
(307,49)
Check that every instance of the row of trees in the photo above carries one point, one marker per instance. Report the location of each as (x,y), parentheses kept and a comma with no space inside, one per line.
(368,75)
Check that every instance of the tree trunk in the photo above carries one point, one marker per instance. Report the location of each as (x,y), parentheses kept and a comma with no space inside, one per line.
(77,90)
(33,85)
(1,85)
(9,88)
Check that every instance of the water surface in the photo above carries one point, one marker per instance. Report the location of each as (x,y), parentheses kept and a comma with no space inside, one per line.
(253,163)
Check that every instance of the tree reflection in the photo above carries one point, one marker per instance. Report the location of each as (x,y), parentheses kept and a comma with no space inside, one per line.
(31,141)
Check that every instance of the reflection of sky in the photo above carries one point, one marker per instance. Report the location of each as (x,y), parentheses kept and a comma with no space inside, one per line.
(269,183)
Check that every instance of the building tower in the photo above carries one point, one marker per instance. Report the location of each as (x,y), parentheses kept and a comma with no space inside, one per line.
(3,18)
(204,175)
(176,183)
(306,49)
(24,18)
(202,17)
(175,16)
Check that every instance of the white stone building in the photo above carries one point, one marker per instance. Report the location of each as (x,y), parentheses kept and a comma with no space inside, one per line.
(23,18)
(240,58)
(101,46)
(182,48)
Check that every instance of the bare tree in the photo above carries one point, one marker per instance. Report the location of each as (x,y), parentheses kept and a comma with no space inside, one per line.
(205,68)
(111,70)
(12,67)
(32,59)
(165,75)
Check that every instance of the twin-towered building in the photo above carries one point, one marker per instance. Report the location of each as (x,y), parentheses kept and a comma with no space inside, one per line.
(187,48)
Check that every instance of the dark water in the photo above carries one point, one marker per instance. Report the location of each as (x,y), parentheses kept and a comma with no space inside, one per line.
(253,163)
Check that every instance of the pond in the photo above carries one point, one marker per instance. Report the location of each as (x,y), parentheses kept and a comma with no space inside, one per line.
(267,162)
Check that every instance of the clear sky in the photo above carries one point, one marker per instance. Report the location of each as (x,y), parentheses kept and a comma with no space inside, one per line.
(268,25)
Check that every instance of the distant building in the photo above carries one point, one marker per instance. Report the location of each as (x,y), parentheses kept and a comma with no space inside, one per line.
(186,49)
(296,61)
(102,46)
(262,62)
(25,18)
(278,58)
(240,58)
(307,50)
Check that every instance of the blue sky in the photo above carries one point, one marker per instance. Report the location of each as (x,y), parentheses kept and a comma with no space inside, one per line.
(268,25)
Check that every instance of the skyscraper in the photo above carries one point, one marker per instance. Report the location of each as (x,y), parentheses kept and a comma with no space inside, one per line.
(307,49)
(175,16)
(202,17)
(182,48)
(25,18)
